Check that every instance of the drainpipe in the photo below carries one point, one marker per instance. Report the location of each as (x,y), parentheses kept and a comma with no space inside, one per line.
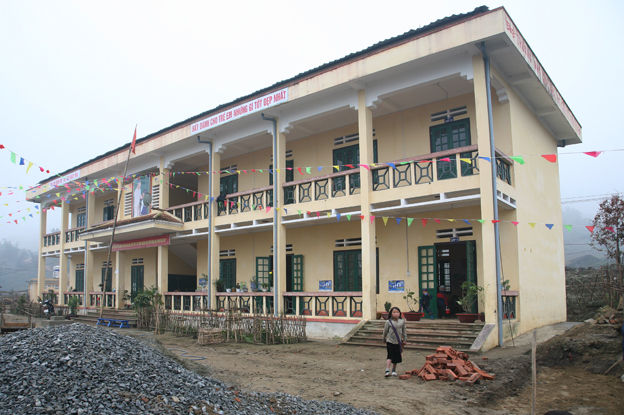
(86,255)
(499,299)
(275,194)
(210,230)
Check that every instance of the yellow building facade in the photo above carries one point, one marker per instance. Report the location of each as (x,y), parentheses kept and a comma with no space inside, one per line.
(384,182)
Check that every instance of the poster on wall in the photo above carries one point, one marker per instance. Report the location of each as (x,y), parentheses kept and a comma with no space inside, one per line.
(141,196)
(325,285)
(396,286)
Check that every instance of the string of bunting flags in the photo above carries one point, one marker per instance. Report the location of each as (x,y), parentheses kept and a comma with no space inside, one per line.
(308,169)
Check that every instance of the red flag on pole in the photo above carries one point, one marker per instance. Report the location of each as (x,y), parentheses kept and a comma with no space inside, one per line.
(133,146)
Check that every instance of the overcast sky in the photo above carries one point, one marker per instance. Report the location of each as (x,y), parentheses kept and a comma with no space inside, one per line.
(76,76)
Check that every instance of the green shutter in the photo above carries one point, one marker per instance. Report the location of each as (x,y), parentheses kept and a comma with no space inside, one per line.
(79,285)
(471,265)
(227,272)
(427,273)
(263,269)
(348,270)
(447,137)
(109,280)
(136,281)
(297,273)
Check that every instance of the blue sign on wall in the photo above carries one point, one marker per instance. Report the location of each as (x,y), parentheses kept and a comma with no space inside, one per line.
(396,286)
(454,239)
(325,285)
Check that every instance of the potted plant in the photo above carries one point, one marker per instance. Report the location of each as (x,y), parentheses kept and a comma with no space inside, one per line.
(387,307)
(253,284)
(238,288)
(265,286)
(243,287)
(412,303)
(219,285)
(467,301)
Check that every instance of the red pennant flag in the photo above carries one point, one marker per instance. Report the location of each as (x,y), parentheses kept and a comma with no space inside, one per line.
(41,168)
(299,170)
(1,146)
(308,212)
(253,170)
(495,221)
(372,219)
(593,153)
(318,215)
(550,157)
(610,228)
(133,145)
(349,166)
(515,223)
(15,220)
(362,217)
(424,222)
(590,228)
(193,194)
(437,220)
(365,166)
(445,159)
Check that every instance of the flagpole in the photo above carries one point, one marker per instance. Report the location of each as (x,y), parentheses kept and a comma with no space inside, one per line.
(110,247)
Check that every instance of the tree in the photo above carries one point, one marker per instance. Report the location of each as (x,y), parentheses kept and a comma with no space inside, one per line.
(608,234)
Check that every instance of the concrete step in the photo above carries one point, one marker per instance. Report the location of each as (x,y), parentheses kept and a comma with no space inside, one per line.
(438,341)
(411,346)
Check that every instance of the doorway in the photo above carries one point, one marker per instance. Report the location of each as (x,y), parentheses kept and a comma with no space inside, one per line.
(136,281)
(443,268)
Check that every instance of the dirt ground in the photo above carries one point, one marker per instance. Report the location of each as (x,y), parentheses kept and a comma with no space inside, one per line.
(327,370)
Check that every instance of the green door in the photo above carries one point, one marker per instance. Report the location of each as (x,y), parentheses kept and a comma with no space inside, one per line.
(227,272)
(136,281)
(427,274)
(348,271)
(79,285)
(471,266)
(264,271)
(109,280)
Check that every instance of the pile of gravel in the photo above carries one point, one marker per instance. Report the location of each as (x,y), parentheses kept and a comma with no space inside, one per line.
(80,369)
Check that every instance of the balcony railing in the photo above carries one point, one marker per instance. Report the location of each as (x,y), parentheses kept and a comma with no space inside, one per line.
(324,304)
(73,235)
(52,239)
(190,212)
(428,168)
(69,294)
(186,301)
(96,296)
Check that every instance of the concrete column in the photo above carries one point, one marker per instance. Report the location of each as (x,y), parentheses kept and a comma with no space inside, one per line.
(369,254)
(62,256)
(163,180)
(215,239)
(487,256)
(119,278)
(279,266)
(43,223)
(163,270)
(90,265)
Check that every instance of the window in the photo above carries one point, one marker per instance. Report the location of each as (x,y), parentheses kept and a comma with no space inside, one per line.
(348,271)
(447,137)
(228,252)
(453,233)
(109,210)
(290,175)
(227,272)
(81,220)
(137,261)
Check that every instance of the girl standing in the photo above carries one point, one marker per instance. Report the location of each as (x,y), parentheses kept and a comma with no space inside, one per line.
(394,335)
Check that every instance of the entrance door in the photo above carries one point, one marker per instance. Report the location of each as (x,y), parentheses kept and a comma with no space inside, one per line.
(79,285)
(136,281)
(348,270)
(227,272)
(109,280)
(471,265)
(427,274)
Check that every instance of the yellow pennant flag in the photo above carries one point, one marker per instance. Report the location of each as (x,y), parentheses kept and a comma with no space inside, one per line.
(385,219)
(337,168)
(29,166)
(466,160)
(532,225)
(278,171)
(451,220)
(328,214)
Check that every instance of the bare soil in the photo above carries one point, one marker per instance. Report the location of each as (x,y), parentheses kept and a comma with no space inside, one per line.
(320,369)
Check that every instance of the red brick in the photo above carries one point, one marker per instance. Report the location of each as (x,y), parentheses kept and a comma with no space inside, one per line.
(461,370)
(444,378)
(430,377)
(415,372)
(474,378)
(464,378)
(408,372)
(487,376)
(405,377)
(451,375)
(429,368)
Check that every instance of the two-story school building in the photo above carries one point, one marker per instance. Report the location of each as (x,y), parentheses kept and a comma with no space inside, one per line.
(338,189)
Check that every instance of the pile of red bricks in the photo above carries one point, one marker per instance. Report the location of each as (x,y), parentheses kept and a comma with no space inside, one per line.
(448,364)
